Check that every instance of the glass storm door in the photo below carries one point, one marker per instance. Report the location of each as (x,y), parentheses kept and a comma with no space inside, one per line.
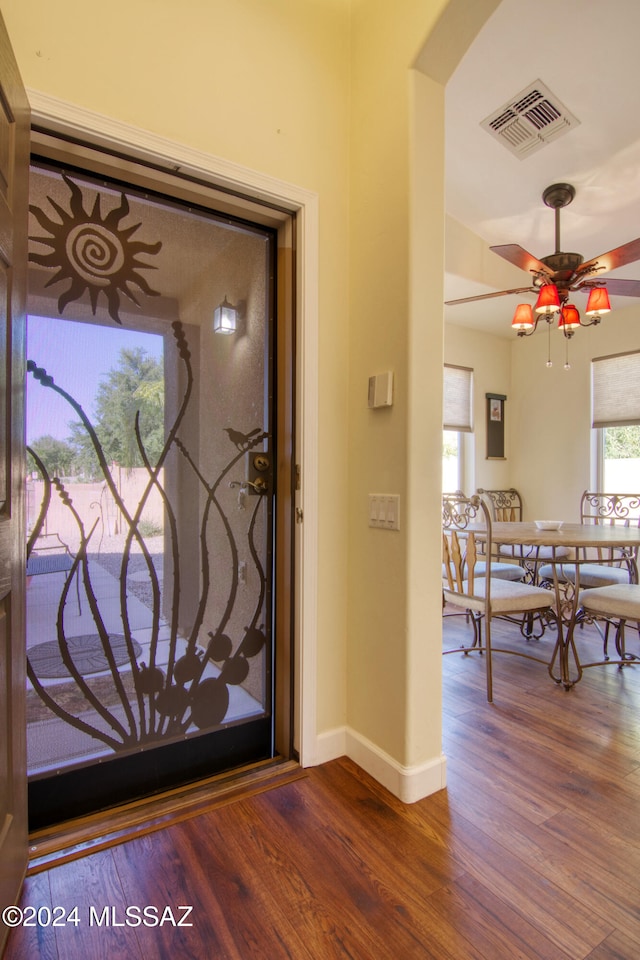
(150,493)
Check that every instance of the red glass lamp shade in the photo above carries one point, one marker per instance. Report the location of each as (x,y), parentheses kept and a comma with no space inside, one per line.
(548,300)
(598,301)
(569,318)
(523,317)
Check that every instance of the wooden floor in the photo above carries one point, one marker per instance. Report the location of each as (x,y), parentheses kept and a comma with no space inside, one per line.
(532,851)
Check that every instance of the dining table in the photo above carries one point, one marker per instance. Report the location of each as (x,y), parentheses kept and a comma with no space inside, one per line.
(601,543)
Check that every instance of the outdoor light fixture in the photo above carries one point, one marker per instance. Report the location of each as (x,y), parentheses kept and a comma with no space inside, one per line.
(225,318)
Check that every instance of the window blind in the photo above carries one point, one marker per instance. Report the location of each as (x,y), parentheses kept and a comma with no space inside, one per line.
(615,390)
(458,398)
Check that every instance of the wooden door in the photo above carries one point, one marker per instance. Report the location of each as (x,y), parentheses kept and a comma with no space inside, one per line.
(14,170)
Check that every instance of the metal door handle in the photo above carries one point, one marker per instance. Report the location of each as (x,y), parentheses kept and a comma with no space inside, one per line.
(260,484)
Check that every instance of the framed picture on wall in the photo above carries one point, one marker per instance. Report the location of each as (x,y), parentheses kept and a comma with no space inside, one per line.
(495,409)
(495,426)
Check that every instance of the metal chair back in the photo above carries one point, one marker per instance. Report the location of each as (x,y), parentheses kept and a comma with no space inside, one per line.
(615,509)
(460,550)
(506,505)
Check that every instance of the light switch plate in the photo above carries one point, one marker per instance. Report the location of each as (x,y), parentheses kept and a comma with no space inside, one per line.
(384,511)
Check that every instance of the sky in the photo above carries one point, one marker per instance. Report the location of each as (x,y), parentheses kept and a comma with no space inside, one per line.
(77,356)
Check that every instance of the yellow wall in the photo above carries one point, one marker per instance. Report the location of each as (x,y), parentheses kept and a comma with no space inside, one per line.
(549,441)
(381,655)
(490,359)
(320,93)
(264,85)
(551,432)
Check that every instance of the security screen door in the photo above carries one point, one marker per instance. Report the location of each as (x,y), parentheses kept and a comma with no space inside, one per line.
(151,438)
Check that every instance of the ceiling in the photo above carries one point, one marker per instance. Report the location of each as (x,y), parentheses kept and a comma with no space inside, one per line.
(94,241)
(587,55)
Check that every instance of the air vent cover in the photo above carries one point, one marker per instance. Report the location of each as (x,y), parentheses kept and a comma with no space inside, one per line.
(529,121)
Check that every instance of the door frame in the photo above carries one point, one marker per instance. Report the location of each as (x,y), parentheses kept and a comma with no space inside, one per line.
(14,172)
(75,124)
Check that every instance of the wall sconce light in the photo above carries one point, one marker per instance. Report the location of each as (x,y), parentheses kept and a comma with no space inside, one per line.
(225,318)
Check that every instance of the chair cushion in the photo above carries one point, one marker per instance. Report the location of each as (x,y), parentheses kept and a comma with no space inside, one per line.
(528,552)
(617,600)
(591,574)
(506,596)
(53,563)
(503,571)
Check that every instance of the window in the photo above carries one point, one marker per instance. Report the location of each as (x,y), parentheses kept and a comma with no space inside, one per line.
(451,461)
(616,417)
(457,420)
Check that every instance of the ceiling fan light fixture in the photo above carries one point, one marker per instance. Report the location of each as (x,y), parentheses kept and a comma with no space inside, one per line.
(548,299)
(569,319)
(598,302)
(523,318)
(556,275)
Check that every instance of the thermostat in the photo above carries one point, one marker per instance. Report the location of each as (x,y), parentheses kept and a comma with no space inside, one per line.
(381,390)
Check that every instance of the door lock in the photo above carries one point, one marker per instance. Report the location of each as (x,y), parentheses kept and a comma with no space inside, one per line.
(261,462)
(258,479)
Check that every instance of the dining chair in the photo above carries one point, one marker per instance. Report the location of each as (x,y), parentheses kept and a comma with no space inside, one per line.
(609,566)
(501,570)
(48,553)
(506,507)
(466,523)
(616,604)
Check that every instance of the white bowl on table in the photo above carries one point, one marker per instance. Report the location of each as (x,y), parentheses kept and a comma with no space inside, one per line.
(548,524)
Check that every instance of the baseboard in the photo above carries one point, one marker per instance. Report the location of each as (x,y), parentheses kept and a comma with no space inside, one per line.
(409,784)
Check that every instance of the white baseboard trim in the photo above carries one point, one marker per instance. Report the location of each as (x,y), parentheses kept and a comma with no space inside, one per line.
(409,784)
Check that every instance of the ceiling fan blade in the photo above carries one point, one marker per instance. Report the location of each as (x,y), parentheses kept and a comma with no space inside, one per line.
(517,255)
(623,288)
(627,253)
(488,296)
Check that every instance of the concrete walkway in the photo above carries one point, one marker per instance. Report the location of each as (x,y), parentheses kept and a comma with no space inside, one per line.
(52,743)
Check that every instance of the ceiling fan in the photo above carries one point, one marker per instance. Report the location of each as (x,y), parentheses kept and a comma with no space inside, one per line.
(566,271)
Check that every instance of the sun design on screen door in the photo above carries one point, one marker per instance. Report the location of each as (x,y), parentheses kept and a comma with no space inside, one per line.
(93,252)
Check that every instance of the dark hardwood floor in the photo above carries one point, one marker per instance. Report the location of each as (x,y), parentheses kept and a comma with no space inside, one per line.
(532,851)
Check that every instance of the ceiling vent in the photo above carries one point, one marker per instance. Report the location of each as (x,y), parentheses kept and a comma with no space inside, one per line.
(529,121)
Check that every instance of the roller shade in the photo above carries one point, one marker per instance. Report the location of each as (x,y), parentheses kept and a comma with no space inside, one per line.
(458,398)
(615,390)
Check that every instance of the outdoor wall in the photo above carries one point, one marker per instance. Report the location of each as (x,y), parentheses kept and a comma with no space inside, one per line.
(550,412)
(490,358)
